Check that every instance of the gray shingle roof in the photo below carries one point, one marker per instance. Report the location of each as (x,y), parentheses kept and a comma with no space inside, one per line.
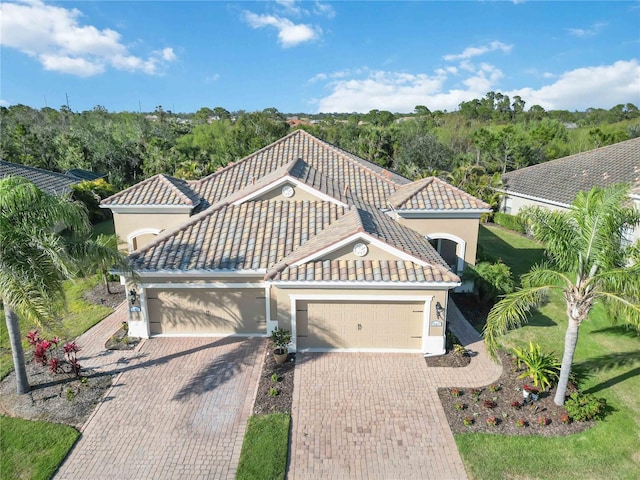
(560,180)
(46,180)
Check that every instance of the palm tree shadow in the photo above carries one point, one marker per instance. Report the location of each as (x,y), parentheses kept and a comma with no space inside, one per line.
(619,330)
(603,363)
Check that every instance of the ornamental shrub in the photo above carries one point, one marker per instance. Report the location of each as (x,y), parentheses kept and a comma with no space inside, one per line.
(584,406)
(510,222)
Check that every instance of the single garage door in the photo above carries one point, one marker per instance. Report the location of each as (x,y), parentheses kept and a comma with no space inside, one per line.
(338,324)
(194,311)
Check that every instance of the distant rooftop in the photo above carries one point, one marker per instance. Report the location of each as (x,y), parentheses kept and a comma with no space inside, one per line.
(46,180)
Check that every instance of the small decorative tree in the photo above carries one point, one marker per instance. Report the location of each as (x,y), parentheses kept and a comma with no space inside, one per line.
(281,338)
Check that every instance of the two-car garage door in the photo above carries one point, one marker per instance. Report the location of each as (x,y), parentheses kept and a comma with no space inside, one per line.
(359,325)
(202,312)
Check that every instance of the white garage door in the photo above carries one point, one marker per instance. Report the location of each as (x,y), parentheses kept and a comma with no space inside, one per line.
(194,311)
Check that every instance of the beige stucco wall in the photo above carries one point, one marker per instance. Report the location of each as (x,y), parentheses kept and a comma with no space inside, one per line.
(346,253)
(127,223)
(464,228)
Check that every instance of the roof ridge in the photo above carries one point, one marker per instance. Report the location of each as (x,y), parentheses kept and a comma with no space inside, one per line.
(410,189)
(242,160)
(344,154)
(168,179)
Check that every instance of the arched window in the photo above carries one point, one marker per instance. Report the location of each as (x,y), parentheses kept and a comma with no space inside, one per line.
(139,238)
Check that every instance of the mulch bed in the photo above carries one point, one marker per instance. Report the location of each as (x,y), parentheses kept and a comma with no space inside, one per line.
(99,296)
(278,400)
(449,359)
(58,398)
(506,415)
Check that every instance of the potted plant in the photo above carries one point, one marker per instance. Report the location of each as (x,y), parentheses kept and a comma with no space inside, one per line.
(281,339)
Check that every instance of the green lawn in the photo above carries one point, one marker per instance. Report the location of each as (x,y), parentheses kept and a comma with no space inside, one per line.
(264,449)
(33,450)
(80,317)
(608,361)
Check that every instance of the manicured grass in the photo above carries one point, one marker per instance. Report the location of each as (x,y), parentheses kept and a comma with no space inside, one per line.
(264,449)
(517,251)
(79,318)
(31,449)
(608,362)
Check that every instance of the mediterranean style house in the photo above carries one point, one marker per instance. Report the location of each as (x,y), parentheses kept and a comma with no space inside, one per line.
(555,184)
(303,236)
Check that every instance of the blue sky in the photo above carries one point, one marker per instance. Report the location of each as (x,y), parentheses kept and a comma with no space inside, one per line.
(317,56)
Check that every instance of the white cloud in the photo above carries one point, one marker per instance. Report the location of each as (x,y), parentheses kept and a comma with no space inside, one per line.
(365,90)
(324,9)
(3,103)
(587,32)
(600,86)
(471,52)
(289,33)
(55,37)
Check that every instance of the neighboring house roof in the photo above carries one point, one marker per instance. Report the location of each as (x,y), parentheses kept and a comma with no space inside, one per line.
(237,230)
(85,174)
(46,180)
(560,180)
(154,191)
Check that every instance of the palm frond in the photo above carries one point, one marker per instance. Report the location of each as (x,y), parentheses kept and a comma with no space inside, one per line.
(511,312)
(544,275)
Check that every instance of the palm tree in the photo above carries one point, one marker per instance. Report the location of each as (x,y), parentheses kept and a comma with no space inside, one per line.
(34,259)
(100,255)
(587,260)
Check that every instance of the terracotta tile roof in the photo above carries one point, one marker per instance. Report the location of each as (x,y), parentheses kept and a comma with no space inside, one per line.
(298,170)
(364,271)
(431,193)
(560,180)
(379,226)
(250,236)
(364,180)
(157,190)
(51,182)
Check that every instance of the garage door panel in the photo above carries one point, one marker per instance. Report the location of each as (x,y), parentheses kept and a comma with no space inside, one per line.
(221,311)
(375,325)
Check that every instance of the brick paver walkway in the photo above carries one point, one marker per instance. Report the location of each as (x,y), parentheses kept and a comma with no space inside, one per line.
(378,416)
(178,409)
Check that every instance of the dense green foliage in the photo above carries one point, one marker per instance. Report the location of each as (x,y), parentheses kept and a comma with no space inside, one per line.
(467,147)
(31,449)
(541,367)
(265,447)
(512,222)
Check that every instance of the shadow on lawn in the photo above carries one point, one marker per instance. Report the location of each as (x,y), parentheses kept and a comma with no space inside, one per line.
(587,368)
(621,330)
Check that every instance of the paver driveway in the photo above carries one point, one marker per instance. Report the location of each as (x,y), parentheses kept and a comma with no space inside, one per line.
(378,416)
(178,410)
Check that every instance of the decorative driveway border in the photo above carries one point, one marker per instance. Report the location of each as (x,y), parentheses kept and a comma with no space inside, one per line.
(378,416)
(177,409)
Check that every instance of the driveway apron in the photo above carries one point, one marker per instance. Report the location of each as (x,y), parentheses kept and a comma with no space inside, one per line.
(178,409)
(378,416)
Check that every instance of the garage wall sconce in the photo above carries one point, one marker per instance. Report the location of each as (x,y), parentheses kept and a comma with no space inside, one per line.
(439,311)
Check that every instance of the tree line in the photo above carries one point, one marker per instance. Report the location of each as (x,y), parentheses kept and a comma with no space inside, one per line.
(469,147)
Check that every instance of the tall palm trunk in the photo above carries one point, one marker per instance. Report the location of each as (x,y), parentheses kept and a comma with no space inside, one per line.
(570,342)
(13,329)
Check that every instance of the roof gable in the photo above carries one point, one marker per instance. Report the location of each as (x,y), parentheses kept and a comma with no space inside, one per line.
(159,190)
(370,226)
(560,180)
(297,172)
(431,193)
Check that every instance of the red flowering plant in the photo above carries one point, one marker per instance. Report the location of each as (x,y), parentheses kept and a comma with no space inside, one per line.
(530,389)
(47,353)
